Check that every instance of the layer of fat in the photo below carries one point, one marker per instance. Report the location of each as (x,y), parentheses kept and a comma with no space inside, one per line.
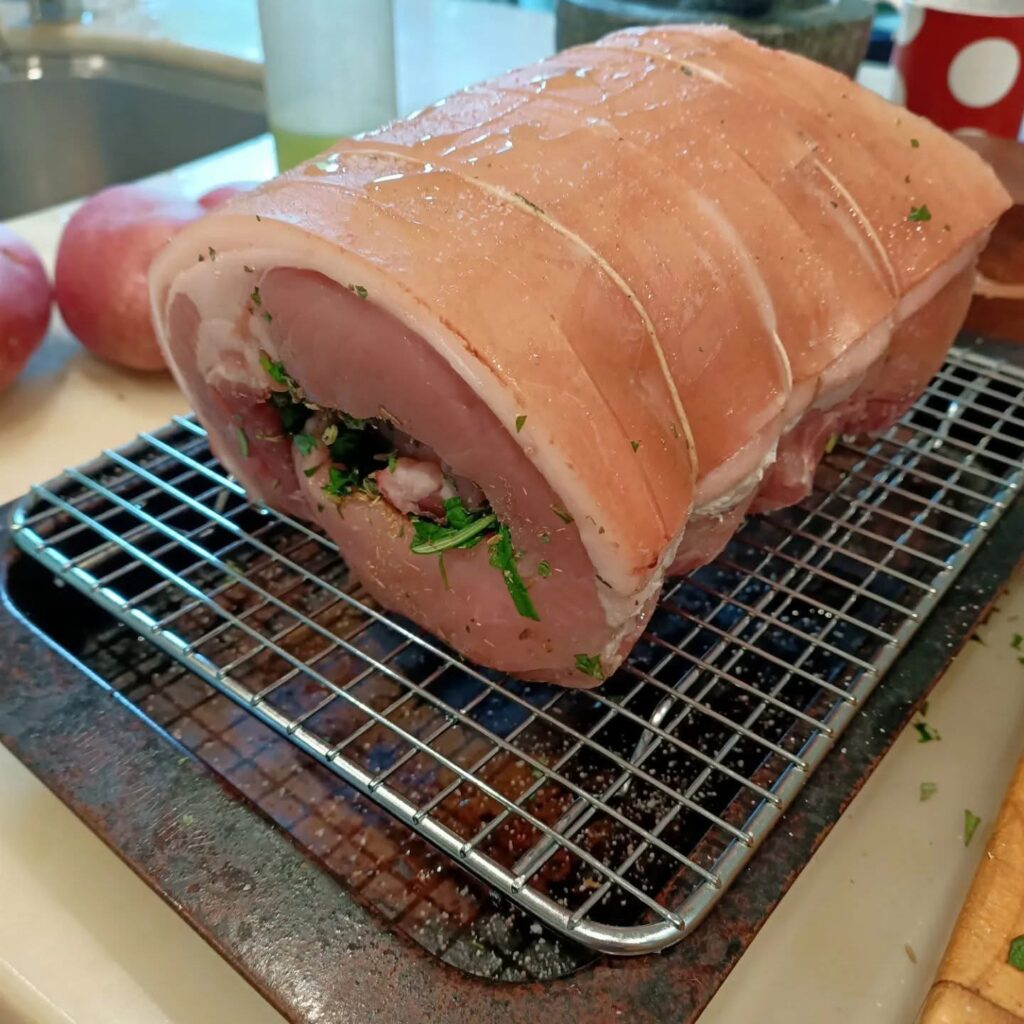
(723,489)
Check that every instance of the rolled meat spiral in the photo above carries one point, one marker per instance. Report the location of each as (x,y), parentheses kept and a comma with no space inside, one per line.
(526,352)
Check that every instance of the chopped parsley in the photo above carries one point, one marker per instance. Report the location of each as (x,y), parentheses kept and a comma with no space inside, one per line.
(503,557)
(255,296)
(305,443)
(928,790)
(277,373)
(635,445)
(520,423)
(293,414)
(340,483)
(590,665)
(1015,954)
(243,442)
(359,289)
(392,461)
(915,143)
(562,514)
(1016,641)
(920,213)
(543,569)
(925,733)
(971,823)
(353,422)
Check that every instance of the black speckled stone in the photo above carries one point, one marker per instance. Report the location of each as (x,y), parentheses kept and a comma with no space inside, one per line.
(835,34)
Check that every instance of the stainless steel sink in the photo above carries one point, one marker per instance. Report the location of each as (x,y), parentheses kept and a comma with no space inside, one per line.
(70,125)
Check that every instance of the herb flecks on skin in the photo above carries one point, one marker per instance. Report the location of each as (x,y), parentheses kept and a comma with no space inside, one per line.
(635,445)
(915,143)
(971,823)
(920,214)
(1016,641)
(543,569)
(520,423)
(213,253)
(359,290)
(925,733)
(1015,954)
(243,442)
(533,206)
(562,514)
(590,665)
(503,557)
(928,790)
(254,295)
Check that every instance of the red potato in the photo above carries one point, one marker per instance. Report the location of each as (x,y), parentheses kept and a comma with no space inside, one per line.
(25,297)
(222,193)
(102,266)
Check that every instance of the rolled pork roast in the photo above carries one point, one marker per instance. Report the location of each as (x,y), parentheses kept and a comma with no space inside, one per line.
(530,350)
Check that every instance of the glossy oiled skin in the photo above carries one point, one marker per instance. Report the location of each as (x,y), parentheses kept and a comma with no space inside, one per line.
(663,251)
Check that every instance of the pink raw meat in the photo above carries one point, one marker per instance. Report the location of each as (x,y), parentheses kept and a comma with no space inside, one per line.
(526,353)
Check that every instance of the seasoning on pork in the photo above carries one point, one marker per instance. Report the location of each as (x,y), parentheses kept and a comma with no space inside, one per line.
(525,353)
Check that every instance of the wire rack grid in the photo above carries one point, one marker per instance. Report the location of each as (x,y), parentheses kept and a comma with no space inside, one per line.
(618,816)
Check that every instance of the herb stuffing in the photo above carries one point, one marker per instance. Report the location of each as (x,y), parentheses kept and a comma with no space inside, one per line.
(1015,954)
(340,483)
(305,443)
(464,529)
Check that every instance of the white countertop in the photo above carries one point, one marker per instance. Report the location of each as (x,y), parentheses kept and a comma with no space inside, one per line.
(83,940)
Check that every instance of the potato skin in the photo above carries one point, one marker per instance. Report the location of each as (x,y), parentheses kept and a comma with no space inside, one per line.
(102,266)
(25,298)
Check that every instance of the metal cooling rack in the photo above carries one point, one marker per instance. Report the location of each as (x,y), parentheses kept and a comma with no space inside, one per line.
(617,816)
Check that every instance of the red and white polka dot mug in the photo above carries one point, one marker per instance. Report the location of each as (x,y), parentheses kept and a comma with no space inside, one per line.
(961,63)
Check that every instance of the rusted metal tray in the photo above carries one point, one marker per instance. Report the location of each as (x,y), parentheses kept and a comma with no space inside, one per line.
(341,834)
